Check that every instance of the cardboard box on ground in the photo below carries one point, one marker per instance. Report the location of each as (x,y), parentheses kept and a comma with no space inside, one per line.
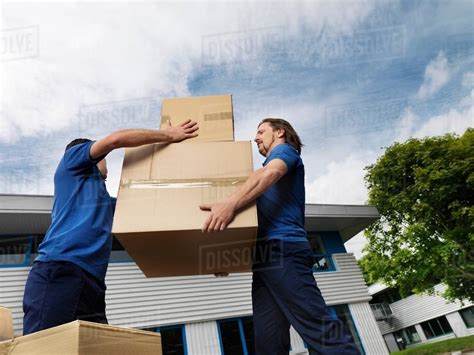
(157,217)
(84,338)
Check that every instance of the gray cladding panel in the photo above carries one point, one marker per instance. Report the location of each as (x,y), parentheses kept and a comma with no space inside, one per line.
(135,301)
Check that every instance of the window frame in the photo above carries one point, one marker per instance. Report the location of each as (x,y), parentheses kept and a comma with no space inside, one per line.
(241,332)
(29,239)
(461,313)
(428,323)
(327,254)
(404,331)
(355,337)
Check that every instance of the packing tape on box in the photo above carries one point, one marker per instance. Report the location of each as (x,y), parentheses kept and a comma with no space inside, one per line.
(217,116)
(183,183)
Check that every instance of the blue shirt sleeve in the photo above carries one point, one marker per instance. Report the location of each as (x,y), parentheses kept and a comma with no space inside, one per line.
(287,153)
(78,157)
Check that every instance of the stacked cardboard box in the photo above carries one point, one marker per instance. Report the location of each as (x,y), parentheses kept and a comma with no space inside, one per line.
(157,217)
(6,324)
(84,338)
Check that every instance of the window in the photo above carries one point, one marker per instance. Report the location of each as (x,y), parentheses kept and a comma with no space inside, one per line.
(436,327)
(408,335)
(467,316)
(342,313)
(16,250)
(173,339)
(322,259)
(22,250)
(236,336)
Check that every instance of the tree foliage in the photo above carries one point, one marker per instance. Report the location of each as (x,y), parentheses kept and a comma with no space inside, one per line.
(423,189)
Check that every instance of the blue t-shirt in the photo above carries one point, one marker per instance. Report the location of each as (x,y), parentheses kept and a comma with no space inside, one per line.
(281,208)
(82,214)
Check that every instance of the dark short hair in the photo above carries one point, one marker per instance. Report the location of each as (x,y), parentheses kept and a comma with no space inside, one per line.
(77,141)
(291,137)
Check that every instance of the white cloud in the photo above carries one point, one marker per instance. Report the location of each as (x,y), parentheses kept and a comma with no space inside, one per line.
(436,75)
(468,80)
(343,181)
(406,125)
(454,121)
(92,53)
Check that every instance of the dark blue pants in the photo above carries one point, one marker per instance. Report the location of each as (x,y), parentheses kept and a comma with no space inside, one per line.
(284,293)
(59,292)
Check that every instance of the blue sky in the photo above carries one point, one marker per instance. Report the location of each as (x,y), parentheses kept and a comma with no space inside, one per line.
(352,76)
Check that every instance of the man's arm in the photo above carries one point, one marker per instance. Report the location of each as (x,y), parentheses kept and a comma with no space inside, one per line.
(223,212)
(137,137)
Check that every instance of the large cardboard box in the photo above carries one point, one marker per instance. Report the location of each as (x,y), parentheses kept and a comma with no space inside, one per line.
(157,217)
(84,338)
(6,324)
(213,113)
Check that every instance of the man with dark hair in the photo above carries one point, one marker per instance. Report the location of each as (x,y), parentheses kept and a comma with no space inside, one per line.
(66,281)
(284,291)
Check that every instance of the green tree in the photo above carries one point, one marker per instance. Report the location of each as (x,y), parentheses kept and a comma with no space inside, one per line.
(423,189)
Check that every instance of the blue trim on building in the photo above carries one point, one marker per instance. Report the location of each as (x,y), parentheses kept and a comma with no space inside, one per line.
(185,344)
(219,333)
(242,336)
(333,242)
(356,331)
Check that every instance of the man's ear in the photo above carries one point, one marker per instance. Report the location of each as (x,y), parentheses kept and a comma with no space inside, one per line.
(280,133)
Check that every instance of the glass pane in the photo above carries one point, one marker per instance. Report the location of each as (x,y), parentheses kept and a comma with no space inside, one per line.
(13,250)
(446,328)
(316,243)
(344,315)
(247,324)
(230,336)
(413,335)
(436,327)
(427,330)
(468,316)
(408,335)
(172,341)
(320,263)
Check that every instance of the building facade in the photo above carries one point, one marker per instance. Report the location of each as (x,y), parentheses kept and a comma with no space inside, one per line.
(199,314)
(419,319)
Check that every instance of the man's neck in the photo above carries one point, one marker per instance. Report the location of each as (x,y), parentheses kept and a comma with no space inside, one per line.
(276,143)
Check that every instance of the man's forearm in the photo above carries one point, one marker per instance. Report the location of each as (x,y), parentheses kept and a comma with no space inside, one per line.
(255,185)
(137,137)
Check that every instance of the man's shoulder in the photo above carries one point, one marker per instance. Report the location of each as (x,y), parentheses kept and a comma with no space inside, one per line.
(284,150)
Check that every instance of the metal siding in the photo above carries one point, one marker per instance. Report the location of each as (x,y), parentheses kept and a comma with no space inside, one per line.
(202,338)
(416,309)
(135,301)
(366,325)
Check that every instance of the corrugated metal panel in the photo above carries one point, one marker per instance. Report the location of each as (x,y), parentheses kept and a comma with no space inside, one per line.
(135,301)
(416,309)
(367,328)
(202,338)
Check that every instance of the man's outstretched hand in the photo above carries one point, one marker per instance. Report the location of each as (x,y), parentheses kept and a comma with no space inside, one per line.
(222,213)
(185,130)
